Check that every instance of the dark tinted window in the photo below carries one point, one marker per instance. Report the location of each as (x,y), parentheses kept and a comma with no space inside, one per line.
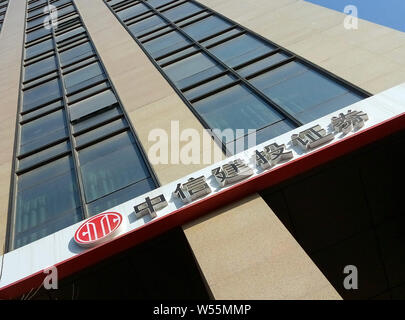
(41,94)
(111,165)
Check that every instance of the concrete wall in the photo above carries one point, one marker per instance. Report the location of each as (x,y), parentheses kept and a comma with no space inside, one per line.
(11,42)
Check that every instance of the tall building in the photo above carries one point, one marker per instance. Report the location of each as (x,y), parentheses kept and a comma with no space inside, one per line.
(240,150)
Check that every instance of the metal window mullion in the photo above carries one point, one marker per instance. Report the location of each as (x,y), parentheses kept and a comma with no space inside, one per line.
(71,141)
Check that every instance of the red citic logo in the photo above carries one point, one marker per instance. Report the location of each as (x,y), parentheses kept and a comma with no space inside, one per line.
(98,229)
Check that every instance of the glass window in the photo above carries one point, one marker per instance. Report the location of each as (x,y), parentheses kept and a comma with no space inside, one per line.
(36,12)
(132,11)
(70,34)
(178,55)
(44,109)
(158,3)
(100,132)
(192,70)
(298,89)
(221,37)
(40,68)
(65,10)
(206,27)
(41,94)
(36,4)
(154,34)
(96,119)
(36,22)
(39,33)
(60,2)
(236,108)
(146,25)
(165,44)
(262,135)
(45,195)
(38,49)
(262,64)
(209,86)
(241,49)
(113,2)
(93,104)
(83,77)
(111,165)
(181,11)
(78,52)
(42,131)
(87,92)
(43,155)
(121,196)
(79,64)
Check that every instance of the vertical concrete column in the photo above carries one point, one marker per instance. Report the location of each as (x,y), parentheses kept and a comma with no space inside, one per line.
(11,45)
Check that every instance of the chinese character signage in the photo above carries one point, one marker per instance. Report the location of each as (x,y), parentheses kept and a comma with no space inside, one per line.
(238,170)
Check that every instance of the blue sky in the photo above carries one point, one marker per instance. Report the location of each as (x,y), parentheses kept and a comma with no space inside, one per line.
(390,13)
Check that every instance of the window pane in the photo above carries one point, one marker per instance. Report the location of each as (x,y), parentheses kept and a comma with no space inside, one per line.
(60,2)
(121,196)
(83,77)
(36,22)
(146,25)
(236,108)
(41,94)
(329,106)
(241,49)
(44,173)
(165,44)
(206,27)
(96,119)
(178,55)
(43,155)
(111,165)
(132,11)
(44,109)
(221,37)
(79,52)
(192,70)
(40,68)
(100,132)
(65,10)
(44,130)
(42,201)
(36,3)
(69,34)
(262,135)
(262,64)
(297,89)
(34,35)
(87,92)
(92,104)
(158,3)
(181,11)
(36,12)
(39,48)
(209,86)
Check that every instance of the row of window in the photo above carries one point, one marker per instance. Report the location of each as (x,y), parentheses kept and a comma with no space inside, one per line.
(77,154)
(231,77)
(3,10)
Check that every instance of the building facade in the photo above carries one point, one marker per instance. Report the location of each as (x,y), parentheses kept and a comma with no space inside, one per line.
(85,86)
